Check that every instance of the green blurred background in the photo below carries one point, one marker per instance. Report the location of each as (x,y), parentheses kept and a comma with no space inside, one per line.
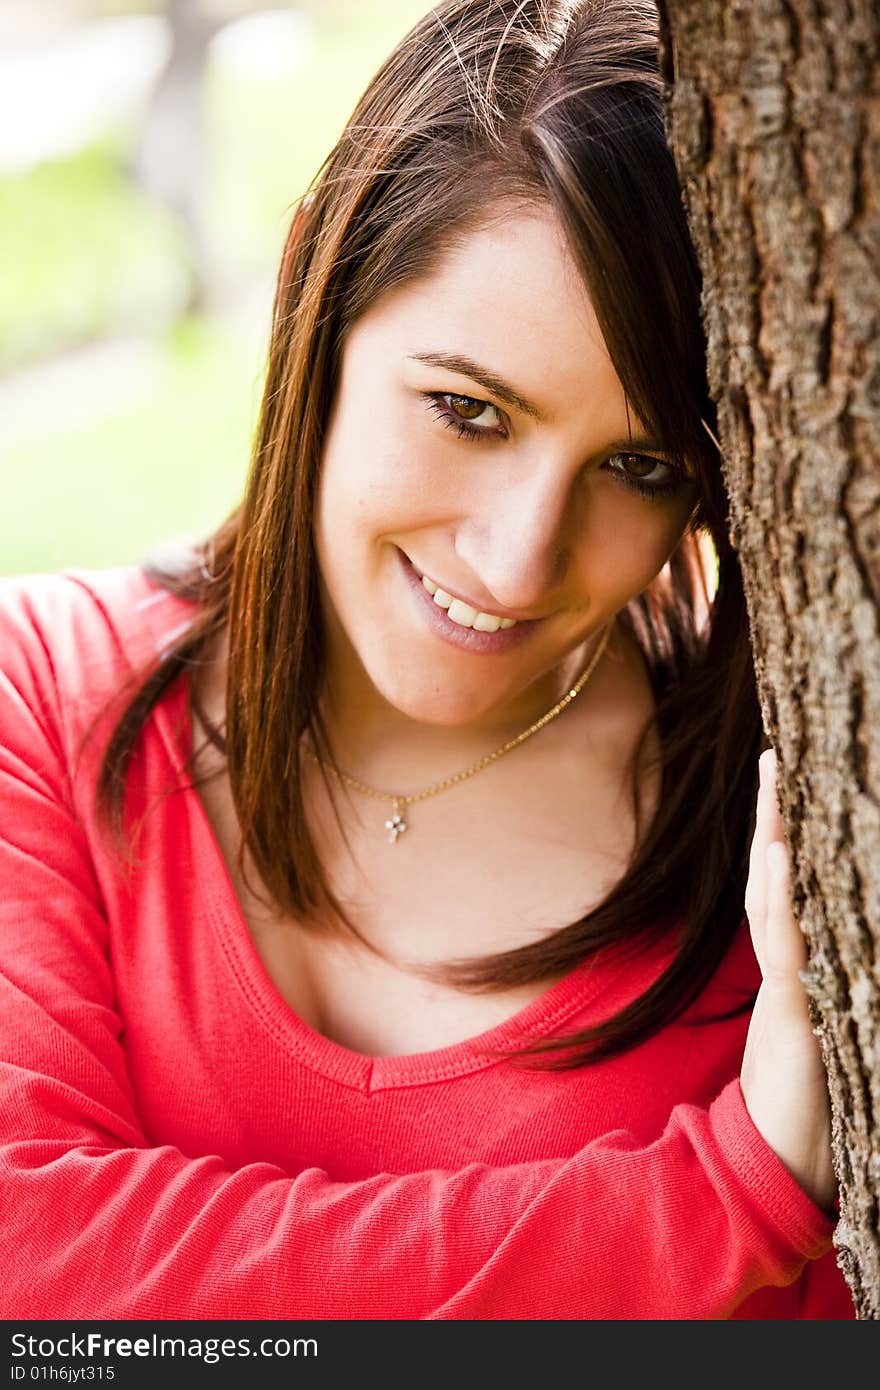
(150,154)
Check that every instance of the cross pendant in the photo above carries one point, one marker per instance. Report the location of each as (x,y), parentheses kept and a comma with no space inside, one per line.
(396,825)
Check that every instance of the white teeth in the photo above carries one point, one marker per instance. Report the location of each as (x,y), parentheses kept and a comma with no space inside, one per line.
(487,622)
(462,613)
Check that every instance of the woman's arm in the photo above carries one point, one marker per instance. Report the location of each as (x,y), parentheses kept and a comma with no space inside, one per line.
(783,1077)
(97,1222)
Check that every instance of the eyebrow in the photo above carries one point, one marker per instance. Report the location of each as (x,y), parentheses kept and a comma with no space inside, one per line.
(466,366)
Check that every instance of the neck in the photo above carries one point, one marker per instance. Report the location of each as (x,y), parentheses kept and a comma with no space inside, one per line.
(377,743)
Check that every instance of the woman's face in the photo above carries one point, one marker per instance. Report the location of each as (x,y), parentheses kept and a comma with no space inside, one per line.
(481,450)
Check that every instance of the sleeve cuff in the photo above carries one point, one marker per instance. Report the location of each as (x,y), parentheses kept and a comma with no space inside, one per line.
(797,1218)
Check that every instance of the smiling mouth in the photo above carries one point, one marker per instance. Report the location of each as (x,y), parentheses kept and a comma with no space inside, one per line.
(462,613)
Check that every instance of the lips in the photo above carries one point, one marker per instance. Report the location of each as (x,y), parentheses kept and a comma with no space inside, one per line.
(484,638)
(464,613)
(447,598)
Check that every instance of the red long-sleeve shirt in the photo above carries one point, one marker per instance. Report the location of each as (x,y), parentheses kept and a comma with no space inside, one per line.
(176,1143)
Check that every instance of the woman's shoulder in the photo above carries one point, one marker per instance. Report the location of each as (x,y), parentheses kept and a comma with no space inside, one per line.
(70,638)
(81,617)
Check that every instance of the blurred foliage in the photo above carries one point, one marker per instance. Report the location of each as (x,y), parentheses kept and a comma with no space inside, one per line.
(170,464)
(87,253)
(88,256)
(273,134)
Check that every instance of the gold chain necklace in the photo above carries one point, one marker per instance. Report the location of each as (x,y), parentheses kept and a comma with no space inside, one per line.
(397,823)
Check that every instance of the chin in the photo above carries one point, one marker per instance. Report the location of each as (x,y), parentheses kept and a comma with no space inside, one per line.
(426,704)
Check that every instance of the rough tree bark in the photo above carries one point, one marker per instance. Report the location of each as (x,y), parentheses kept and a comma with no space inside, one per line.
(773,111)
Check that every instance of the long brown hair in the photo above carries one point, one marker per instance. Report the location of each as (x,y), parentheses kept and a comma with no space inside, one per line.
(550,101)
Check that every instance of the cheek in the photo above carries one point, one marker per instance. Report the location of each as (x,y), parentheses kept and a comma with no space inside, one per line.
(630,539)
(383,478)
(357,483)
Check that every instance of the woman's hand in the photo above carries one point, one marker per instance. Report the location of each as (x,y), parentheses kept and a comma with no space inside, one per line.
(783,1078)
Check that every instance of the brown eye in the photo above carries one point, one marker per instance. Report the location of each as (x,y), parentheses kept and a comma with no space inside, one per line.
(652,478)
(638,465)
(470,418)
(466,407)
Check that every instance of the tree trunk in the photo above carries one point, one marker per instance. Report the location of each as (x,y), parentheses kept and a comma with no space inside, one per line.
(169,162)
(773,113)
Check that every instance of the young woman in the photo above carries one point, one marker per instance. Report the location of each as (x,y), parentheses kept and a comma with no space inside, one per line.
(373,932)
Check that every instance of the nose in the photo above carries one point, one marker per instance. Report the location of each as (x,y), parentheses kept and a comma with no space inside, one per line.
(516,543)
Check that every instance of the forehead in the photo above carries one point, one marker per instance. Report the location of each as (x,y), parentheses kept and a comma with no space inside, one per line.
(509,295)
